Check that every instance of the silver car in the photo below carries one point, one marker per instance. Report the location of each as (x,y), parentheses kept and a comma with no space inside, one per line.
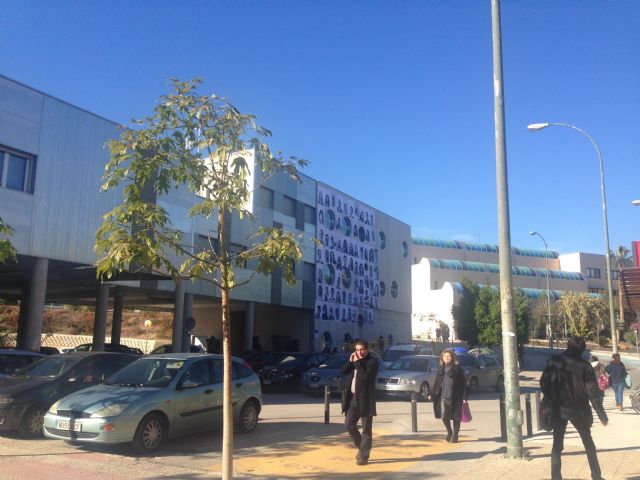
(327,373)
(154,398)
(411,373)
(482,371)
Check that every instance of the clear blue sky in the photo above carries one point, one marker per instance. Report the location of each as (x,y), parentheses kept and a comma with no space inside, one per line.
(391,101)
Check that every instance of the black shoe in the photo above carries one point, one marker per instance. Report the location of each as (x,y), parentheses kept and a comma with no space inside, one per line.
(454,438)
(449,435)
(362,461)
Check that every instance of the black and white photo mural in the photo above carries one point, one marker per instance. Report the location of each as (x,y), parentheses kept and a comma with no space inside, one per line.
(347,277)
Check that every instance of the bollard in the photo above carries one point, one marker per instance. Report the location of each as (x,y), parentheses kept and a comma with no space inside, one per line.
(327,401)
(503,419)
(538,411)
(527,406)
(414,412)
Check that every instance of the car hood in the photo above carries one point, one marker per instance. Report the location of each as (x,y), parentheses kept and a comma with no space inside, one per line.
(325,372)
(15,385)
(402,374)
(95,398)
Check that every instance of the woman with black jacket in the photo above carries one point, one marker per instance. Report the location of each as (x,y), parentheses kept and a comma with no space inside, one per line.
(448,393)
(617,373)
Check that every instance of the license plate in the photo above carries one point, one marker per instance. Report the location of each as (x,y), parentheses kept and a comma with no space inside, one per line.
(314,385)
(267,382)
(66,425)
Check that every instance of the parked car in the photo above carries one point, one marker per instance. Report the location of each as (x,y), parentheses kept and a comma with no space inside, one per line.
(327,373)
(14,359)
(400,350)
(26,394)
(482,371)
(49,350)
(289,370)
(168,348)
(155,398)
(411,373)
(258,359)
(108,347)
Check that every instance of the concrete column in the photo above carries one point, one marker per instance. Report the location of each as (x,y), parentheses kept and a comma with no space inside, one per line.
(188,312)
(22,316)
(100,322)
(116,320)
(178,317)
(248,326)
(35,304)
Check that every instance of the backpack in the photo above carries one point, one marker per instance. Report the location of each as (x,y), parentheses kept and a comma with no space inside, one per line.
(603,381)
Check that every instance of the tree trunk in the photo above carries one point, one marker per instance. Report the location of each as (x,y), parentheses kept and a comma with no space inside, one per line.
(227,405)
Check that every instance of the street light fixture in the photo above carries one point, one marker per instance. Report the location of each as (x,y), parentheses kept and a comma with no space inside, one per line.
(546,266)
(534,127)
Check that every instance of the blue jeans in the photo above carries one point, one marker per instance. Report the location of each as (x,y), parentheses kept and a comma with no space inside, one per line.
(618,389)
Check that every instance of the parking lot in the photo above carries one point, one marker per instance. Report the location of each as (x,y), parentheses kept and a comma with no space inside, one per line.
(291,441)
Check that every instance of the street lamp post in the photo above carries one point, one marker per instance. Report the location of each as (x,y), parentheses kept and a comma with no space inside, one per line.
(534,127)
(546,266)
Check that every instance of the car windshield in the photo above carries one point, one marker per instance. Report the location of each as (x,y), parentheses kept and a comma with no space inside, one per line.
(466,360)
(335,361)
(11,363)
(291,360)
(411,364)
(50,367)
(393,355)
(146,372)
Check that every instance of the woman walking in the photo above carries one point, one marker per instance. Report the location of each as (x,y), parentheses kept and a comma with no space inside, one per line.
(449,391)
(617,372)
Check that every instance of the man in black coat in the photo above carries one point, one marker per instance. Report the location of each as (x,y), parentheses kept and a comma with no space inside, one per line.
(358,398)
(570,382)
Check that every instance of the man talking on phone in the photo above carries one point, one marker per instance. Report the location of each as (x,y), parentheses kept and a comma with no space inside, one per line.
(358,398)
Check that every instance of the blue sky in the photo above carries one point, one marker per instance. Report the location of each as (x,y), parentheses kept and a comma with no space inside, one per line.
(391,101)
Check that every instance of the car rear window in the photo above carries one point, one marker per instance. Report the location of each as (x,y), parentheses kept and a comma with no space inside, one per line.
(411,364)
(146,372)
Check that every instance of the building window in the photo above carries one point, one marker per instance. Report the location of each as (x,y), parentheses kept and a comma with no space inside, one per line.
(206,243)
(265,197)
(383,240)
(593,272)
(394,289)
(405,249)
(309,214)
(17,171)
(288,206)
(594,290)
(383,288)
(614,274)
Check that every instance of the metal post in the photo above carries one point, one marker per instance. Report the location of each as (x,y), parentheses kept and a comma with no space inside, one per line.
(512,388)
(538,411)
(527,408)
(327,402)
(503,424)
(414,412)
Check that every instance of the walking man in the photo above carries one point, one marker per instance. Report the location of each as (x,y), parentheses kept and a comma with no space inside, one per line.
(358,398)
(570,382)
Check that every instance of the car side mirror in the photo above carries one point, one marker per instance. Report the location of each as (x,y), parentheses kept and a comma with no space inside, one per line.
(72,379)
(188,383)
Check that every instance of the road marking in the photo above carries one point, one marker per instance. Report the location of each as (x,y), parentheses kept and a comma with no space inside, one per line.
(392,452)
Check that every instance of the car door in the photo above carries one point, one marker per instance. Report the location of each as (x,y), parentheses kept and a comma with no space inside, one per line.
(481,372)
(244,384)
(194,398)
(492,368)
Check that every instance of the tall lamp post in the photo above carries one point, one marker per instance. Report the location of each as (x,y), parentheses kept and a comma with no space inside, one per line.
(534,127)
(546,266)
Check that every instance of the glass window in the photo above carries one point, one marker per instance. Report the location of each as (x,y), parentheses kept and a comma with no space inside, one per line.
(265,197)
(288,206)
(309,214)
(16,172)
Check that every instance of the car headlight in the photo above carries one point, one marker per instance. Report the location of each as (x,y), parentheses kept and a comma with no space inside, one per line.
(110,411)
(54,408)
(334,379)
(286,375)
(407,381)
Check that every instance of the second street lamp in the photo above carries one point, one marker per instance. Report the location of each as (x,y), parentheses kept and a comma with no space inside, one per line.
(534,127)
(546,266)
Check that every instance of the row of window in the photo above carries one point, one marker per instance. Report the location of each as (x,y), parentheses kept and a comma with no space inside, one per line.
(494,268)
(17,170)
(532,293)
(482,247)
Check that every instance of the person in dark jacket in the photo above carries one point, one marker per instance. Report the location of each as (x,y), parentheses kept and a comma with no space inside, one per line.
(448,393)
(617,373)
(570,383)
(358,398)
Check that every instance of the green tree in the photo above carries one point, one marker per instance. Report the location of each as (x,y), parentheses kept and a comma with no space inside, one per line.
(522,312)
(576,308)
(621,258)
(540,314)
(488,316)
(7,250)
(464,320)
(194,142)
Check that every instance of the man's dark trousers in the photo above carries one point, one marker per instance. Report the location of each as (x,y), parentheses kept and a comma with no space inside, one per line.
(558,446)
(362,441)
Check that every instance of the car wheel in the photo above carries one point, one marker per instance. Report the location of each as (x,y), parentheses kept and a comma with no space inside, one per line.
(500,384)
(149,434)
(424,391)
(31,424)
(473,385)
(248,419)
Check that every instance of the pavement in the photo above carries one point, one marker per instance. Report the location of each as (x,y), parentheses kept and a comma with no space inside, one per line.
(293,442)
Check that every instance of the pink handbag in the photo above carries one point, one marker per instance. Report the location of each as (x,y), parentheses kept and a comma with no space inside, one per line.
(465,414)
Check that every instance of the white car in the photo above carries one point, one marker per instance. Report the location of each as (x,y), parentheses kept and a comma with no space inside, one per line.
(411,373)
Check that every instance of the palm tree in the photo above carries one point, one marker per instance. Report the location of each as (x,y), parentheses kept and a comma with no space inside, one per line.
(621,258)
